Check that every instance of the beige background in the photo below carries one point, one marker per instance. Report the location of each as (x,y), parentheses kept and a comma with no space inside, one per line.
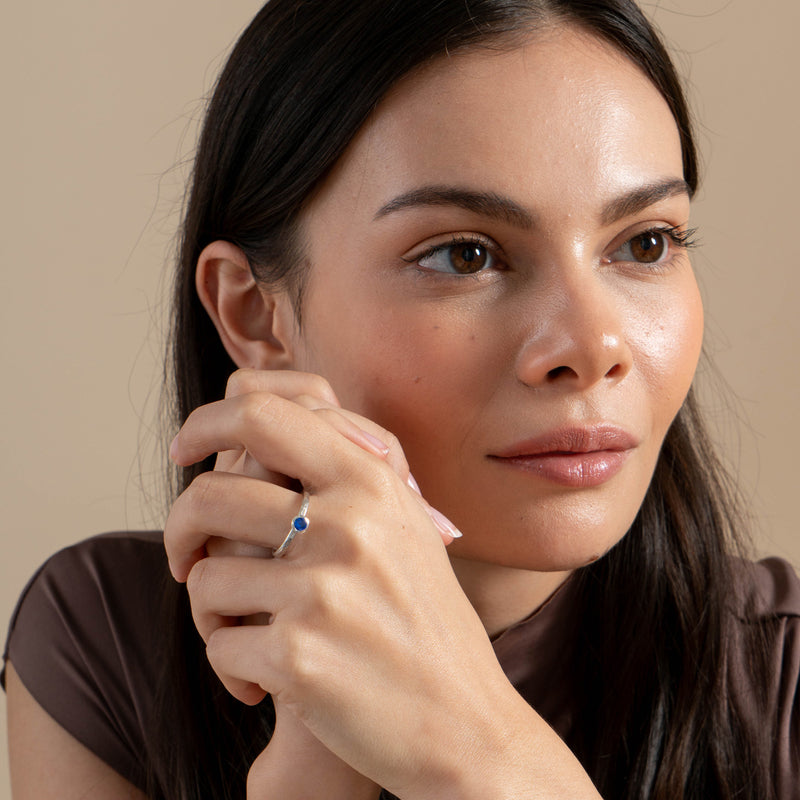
(100,104)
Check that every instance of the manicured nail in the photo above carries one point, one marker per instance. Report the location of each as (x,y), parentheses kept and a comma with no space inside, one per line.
(413,484)
(376,443)
(444,524)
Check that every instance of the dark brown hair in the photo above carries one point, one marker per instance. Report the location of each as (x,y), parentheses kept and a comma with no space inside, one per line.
(303,78)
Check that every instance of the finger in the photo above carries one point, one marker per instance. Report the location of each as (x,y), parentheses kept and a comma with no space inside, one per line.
(242,659)
(286,383)
(346,423)
(230,506)
(242,463)
(217,546)
(355,427)
(313,392)
(279,434)
(230,461)
(363,432)
(447,530)
(224,589)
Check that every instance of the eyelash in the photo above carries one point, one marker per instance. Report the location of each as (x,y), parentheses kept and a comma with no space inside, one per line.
(491,249)
(680,239)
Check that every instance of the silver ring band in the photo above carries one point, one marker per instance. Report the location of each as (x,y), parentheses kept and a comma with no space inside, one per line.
(299,524)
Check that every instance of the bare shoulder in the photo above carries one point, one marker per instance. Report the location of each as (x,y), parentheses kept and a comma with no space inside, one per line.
(47,762)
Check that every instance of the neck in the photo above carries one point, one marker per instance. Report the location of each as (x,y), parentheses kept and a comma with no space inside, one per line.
(504,595)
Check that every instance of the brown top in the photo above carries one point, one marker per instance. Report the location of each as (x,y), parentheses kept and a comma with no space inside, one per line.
(82,642)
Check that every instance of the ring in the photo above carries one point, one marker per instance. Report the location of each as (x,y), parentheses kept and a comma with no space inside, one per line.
(299,524)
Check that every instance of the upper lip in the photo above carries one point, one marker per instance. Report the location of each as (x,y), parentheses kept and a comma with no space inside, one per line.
(572,439)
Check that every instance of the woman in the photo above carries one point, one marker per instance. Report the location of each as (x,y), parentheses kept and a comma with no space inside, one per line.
(450,241)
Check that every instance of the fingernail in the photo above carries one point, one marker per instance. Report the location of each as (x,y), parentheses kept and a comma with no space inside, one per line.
(413,484)
(381,448)
(173,447)
(444,524)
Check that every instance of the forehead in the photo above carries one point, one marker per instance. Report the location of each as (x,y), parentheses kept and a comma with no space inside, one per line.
(564,115)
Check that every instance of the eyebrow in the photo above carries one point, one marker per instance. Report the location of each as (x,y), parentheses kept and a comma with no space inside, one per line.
(487,204)
(643,197)
(504,209)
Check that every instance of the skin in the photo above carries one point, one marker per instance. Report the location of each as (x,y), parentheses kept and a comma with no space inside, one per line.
(444,372)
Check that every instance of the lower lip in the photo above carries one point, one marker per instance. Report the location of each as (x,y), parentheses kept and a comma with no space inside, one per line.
(576,470)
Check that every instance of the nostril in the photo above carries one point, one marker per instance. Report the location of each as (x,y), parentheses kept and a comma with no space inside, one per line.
(557,372)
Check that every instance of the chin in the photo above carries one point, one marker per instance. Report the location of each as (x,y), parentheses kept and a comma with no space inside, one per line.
(553,534)
(551,555)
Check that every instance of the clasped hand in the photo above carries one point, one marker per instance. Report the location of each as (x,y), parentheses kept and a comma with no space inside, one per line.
(375,659)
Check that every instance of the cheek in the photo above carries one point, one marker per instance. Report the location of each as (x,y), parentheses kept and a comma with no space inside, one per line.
(434,377)
(418,371)
(668,345)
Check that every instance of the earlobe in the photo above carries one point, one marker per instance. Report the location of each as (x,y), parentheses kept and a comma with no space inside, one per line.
(249,319)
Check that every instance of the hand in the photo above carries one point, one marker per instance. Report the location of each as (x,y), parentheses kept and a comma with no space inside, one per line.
(372,644)
(296,764)
(365,521)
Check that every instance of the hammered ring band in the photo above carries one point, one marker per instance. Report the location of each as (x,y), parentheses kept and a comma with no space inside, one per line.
(298,525)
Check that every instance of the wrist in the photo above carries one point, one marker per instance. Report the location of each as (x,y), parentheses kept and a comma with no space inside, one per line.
(268,782)
(505,752)
(297,770)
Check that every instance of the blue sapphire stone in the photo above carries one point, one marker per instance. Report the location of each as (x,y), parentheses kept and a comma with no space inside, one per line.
(300,523)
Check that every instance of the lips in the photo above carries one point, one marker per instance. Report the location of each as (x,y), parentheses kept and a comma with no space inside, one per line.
(576,457)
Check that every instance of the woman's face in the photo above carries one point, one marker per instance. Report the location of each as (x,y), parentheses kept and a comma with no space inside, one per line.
(497,277)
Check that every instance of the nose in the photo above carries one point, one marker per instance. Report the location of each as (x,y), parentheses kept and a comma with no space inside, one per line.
(577,337)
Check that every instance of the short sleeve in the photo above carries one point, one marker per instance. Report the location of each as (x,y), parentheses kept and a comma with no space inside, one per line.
(82,640)
(775,607)
(789,712)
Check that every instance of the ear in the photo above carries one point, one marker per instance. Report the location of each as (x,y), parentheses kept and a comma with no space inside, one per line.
(255,325)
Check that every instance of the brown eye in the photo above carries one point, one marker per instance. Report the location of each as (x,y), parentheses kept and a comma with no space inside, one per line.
(458,258)
(467,258)
(648,247)
(655,246)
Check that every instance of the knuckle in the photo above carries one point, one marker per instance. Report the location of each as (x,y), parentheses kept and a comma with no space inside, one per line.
(241,381)
(317,598)
(186,522)
(257,408)
(381,482)
(202,495)
(285,649)
(320,388)
(296,660)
